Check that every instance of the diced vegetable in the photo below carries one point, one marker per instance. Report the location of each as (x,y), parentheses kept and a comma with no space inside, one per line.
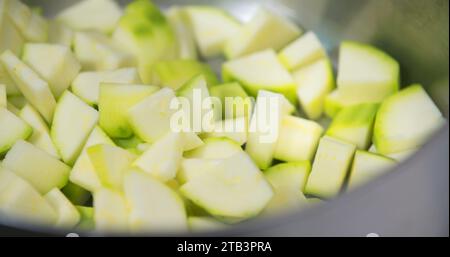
(41,133)
(236,190)
(205,22)
(365,73)
(83,172)
(302,52)
(330,167)
(163,157)
(36,91)
(41,170)
(405,120)
(150,118)
(354,124)
(178,19)
(314,82)
(68,215)
(288,181)
(247,71)
(96,51)
(12,128)
(368,166)
(114,102)
(145,32)
(153,205)
(298,139)
(233,99)
(101,15)
(110,211)
(19,200)
(264,127)
(258,34)
(58,71)
(87,84)
(110,163)
(73,122)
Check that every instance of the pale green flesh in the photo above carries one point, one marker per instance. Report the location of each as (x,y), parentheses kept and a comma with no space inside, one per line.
(396,128)
(330,168)
(153,205)
(68,215)
(114,102)
(73,122)
(214,148)
(20,201)
(288,181)
(368,166)
(40,169)
(12,128)
(354,124)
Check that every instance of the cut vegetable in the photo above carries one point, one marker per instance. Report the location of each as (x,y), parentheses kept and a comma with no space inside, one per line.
(60,34)
(199,112)
(41,170)
(110,163)
(114,102)
(288,181)
(68,215)
(87,84)
(83,172)
(19,200)
(186,43)
(36,91)
(150,118)
(365,73)
(176,73)
(17,100)
(236,190)
(12,128)
(264,127)
(234,100)
(31,25)
(212,28)
(110,211)
(145,32)
(258,34)
(298,139)
(330,167)
(201,224)
(234,129)
(215,148)
(5,79)
(101,15)
(354,125)
(11,37)
(190,168)
(302,52)
(397,126)
(96,51)
(153,205)
(41,133)
(58,71)
(72,124)
(368,166)
(314,82)
(247,71)
(162,159)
